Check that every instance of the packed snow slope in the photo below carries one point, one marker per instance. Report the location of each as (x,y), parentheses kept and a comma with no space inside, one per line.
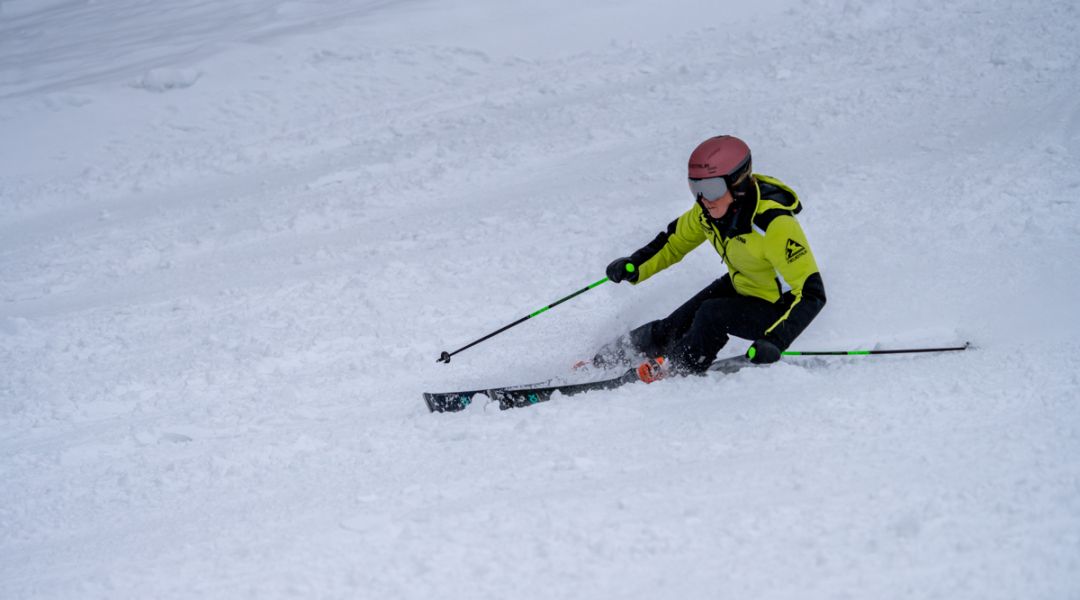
(234,237)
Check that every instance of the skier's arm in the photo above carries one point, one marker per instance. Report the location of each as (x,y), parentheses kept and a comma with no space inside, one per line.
(789,252)
(681,236)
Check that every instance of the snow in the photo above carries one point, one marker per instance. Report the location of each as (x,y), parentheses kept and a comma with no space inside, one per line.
(235,236)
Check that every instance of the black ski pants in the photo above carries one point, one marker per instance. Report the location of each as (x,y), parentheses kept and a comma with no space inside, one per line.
(691,336)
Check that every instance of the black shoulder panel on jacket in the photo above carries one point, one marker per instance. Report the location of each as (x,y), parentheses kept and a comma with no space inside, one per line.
(780,196)
(762,220)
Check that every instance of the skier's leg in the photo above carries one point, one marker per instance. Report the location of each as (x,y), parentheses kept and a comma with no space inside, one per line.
(653,338)
(714,321)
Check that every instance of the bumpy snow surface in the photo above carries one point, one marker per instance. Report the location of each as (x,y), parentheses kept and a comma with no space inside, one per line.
(235,235)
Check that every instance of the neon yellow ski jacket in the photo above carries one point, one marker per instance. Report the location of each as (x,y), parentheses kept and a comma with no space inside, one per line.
(763,251)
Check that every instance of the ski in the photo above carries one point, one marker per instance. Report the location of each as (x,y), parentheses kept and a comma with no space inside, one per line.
(527,395)
(518,395)
(521,397)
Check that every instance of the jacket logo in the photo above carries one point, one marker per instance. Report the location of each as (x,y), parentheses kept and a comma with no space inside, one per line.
(795,250)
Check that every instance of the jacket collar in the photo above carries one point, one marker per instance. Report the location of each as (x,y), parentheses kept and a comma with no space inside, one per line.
(740,218)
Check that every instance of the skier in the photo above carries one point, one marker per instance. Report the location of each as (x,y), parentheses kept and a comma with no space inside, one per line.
(772,289)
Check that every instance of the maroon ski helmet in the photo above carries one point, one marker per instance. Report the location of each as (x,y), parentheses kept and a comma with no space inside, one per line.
(722,156)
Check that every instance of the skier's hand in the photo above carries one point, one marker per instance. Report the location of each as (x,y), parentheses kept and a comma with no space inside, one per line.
(621,270)
(763,352)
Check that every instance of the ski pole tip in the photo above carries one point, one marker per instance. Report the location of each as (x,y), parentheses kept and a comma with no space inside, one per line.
(444,357)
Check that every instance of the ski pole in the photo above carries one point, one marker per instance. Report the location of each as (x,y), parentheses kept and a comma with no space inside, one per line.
(870,352)
(445,356)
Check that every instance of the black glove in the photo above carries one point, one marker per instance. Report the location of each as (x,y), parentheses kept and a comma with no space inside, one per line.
(763,352)
(621,270)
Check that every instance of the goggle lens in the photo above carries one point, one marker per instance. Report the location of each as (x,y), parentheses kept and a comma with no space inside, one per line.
(711,189)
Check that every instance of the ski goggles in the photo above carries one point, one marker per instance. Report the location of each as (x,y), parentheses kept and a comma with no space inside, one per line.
(710,189)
